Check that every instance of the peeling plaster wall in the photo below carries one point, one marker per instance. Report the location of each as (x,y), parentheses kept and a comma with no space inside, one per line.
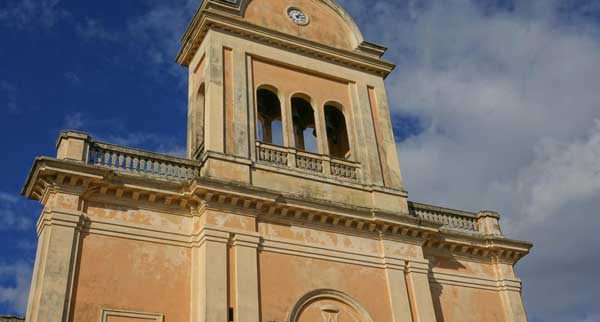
(286,278)
(154,219)
(463,304)
(117,273)
(313,237)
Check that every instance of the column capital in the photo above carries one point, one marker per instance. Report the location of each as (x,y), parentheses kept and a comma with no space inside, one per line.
(246,240)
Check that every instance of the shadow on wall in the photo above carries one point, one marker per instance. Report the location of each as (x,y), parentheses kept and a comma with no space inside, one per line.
(437,289)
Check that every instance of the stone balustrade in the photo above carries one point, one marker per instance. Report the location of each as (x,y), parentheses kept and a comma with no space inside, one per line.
(141,162)
(144,163)
(451,219)
(308,162)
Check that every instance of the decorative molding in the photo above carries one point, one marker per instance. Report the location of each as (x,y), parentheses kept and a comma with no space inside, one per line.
(186,198)
(236,26)
(107,313)
(325,294)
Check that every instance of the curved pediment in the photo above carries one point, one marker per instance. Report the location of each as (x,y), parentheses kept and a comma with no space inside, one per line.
(326,22)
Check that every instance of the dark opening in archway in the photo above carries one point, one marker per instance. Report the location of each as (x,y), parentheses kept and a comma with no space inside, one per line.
(269,127)
(337,132)
(305,131)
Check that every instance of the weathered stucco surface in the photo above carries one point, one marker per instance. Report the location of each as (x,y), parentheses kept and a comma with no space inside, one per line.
(284,279)
(325,26)
(462,304)
(131,275)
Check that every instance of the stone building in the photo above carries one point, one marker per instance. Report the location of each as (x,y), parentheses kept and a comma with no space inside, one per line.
(289,206)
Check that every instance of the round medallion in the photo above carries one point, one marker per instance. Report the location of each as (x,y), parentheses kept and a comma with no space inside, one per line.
(297,16)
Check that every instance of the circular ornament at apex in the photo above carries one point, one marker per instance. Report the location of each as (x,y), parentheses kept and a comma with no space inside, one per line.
(298,16)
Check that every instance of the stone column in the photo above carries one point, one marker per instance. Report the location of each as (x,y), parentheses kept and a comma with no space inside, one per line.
(418,280)
(51,287)
(209,277)
(321,128)
(246,278)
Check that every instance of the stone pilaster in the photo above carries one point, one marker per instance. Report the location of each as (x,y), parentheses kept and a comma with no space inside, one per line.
(398,290)
(240,105)
(51,287)
(209,277)
(215,122)
(246,278)
(418,280)
(364,121)
(510,292)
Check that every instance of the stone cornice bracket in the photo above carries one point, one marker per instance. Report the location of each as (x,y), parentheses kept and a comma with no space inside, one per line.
(51,175)
(273,207)
(365,58)
(492,248)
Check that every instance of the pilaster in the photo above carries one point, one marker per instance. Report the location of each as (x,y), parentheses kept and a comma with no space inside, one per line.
(246,278)
(398,289)
(390,164)
(215,122)
(370,158)
(51,288)
(510,292)
(209,277)
(242,144)
(418,277)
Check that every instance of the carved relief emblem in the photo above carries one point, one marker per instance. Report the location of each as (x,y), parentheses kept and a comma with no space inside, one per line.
(330,313)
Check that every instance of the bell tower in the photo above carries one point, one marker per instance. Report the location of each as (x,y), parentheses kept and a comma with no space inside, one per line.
(288,96)
(289,206)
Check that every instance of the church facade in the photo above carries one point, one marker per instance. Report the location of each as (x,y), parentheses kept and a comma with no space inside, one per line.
(289,206)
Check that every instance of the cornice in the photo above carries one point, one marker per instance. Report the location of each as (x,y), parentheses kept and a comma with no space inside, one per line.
(94,183)
(213,20)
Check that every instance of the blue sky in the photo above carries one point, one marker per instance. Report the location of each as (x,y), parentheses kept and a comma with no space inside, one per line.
(495,105)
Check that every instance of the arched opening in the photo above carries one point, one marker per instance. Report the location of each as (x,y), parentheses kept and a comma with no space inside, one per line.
(337,131)
(305,131)
(197,122)
(328,305)
(269,126)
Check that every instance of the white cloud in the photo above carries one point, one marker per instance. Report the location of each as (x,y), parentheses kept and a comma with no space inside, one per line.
(13,215)
(75,121)
(508,102)
(91,29)
(30,14)
(15,297)
(8,198)
(8,92)
(73,78)
(159,31)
